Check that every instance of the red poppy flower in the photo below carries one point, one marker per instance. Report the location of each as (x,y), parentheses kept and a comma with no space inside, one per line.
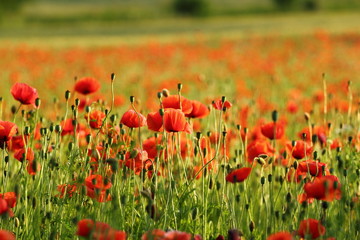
(175,121)
(95,118)
(10,198)
(173,101)
(150,145)
(5,208)
(273,130)
(7,131)
(155,234)
(280,236)
(300,150)
(154,121)
(177,235)
(257,147)
(219,105)
(132,119)
(24,93)
(87,85)
(137,160)
(96,188)
(199,110)
(311,227)
(66,190)
(6,235)
(326,188)
(32,167)
(84,227)
(238,175)
(315,168)
(20,154)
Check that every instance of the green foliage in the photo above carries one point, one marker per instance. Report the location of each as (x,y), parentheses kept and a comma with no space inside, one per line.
(191,7)
(10,6)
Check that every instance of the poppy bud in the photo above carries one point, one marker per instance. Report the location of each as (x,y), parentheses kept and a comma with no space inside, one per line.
(296,164)
(223,99)
(238,127)
(274,116)
(58,128)
(165,92)
(270,178)
(77,102)
(6,159)
(88,138)
(252,226)
(345,173)
(315,154)
(262,180)
(198,135)
(307,116)
(27,130)
(112,77)
(132,99)
(194,213)
(37,102)
(288,197)
(325,205)
(179,86)
(87,109)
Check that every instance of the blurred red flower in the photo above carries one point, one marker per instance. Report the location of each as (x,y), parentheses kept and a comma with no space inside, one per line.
(300,150)
(238,175)
(6,235)
(7,131)
(87,85)
(95,118)
(133,119)
(154,121)
(175,121)
(311,227)
(273,130)
(199,110)
(24,93)
(219,105)
(326,188)
(173,101)
(280,236)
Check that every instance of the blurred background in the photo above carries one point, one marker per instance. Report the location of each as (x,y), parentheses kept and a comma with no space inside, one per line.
(39,18)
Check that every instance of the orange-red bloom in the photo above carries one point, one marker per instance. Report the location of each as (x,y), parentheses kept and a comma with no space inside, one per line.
(7,131)
(300,150)
(133,119)
(273,130)
(173,101)
(326,188)
(87,85)
(95,118)
(96,187)
(238,175)
(98,231)
(137,160)
(280,236)
(199,110)
(20,154)
(24,93)
(219,105)
(311,227)
(257,147)
(175,121)
(6,235)
(154,121)
(10,198)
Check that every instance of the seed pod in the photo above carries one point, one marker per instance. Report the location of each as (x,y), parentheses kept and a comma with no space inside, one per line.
(262,180)
(132,99)
(67,95)
(252,226)
(274,116)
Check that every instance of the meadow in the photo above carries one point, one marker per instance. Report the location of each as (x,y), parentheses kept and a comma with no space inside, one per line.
(253,136)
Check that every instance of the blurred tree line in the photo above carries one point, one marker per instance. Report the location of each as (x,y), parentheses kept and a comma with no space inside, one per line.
(201,7)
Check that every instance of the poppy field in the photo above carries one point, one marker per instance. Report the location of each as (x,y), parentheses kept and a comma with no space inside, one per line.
(251,138)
